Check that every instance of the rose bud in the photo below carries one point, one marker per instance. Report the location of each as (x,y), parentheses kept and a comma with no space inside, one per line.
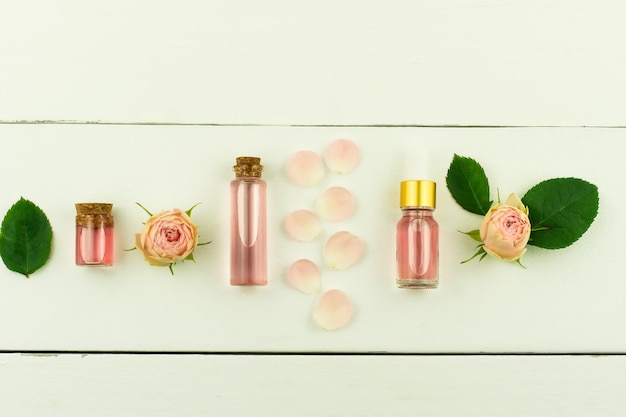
(167,237)
(505,229)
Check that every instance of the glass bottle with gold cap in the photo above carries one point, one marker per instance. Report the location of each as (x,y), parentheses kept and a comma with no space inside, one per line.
(417,236)
(94,234)
(248,224)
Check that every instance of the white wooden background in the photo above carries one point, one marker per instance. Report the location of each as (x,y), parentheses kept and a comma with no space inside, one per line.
(131,78)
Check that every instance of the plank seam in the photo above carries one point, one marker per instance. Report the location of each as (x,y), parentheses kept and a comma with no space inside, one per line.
(254,353)
(348,125)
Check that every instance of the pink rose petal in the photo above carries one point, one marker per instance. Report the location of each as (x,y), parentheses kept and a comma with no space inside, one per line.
(304,275)
(336,203)
(305,168)
(333,310)
(303,225)
(342,156)
(342,250)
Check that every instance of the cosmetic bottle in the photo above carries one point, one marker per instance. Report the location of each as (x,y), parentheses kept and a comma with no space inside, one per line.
(417,236)
(248,224)
(94,234)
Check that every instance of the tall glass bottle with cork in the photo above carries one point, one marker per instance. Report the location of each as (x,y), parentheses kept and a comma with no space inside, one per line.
(248,224)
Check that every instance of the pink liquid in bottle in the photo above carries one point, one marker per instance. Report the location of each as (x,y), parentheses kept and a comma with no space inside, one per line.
(94,234)
(94,246)
(417,249)
(248,245)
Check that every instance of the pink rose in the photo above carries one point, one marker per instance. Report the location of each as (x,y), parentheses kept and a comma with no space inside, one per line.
(505,229)
(167,237)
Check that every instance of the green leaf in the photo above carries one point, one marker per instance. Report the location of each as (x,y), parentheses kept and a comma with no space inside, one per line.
(468,184)
(26,239)
(560,211)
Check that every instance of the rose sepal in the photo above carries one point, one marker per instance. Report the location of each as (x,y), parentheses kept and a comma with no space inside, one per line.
(474,234)
(479,251)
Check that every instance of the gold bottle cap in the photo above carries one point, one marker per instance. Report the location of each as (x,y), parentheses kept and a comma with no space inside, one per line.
(248,166)
(418,193)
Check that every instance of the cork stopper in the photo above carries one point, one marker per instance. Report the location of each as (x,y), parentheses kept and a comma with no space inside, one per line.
(94,214)
(248,166)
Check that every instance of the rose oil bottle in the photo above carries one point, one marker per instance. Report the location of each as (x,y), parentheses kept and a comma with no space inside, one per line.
(248,225)
(417,236)
(94,234)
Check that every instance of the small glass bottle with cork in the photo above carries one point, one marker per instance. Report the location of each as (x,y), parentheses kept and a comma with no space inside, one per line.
(94,234)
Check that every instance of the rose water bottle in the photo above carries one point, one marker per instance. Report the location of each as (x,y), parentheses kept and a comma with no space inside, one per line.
(417,236)
(94,234)
(248,225)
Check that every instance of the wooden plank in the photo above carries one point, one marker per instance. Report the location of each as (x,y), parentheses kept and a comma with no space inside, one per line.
(564,301)
(190,385)
(513,62)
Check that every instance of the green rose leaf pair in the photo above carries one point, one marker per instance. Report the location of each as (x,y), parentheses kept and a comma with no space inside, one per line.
(560,209)
(25,238)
